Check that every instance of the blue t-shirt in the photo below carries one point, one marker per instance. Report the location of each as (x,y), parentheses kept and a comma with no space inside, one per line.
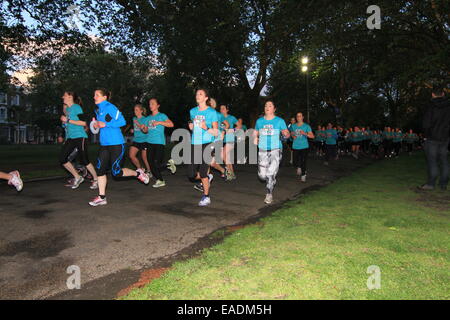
(73,131)
(229,138)
(398,137)
(332,137)
(269,133)
(139,136)
(156,133)
(376,139)
(111,135)
(200,136)
(300,141)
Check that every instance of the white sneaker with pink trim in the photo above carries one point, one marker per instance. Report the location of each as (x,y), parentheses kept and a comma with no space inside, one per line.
(98,202)
(16,181)
(142,176)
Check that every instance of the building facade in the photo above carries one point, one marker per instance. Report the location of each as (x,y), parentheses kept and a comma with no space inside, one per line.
(14,127)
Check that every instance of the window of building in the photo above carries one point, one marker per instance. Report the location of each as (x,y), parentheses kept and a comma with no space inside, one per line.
(15,100)
(2,113)
(3,98)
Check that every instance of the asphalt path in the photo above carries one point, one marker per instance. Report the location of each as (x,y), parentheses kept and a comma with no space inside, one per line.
(47,228)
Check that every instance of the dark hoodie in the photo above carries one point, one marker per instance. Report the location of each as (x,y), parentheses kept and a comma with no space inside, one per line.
(436,123)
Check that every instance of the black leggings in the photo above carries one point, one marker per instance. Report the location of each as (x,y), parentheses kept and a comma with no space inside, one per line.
(201,167)
(410,147)
(301,159)
(155,156)
(397,147)
(111,157)
(331,152)
(69,146)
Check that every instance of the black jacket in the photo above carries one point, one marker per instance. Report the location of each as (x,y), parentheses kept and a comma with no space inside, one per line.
(436,123)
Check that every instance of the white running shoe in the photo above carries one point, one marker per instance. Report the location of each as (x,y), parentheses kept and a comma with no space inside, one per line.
(77,183)
(98,202)
(206,201)
(16,181)
(303,179)
(94,185)
(228,175)
(171,166)
(159,184)
(269,199)
(143,177)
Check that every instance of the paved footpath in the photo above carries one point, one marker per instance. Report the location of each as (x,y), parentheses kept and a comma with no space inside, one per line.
(48,227)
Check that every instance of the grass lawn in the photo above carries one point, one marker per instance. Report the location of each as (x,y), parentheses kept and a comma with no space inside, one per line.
(320,246)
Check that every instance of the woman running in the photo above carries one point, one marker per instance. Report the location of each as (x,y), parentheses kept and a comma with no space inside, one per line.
(375,138)
(229,141)
(112,146)
(268,131)
(76,138)
(397,141)
(218,144)
(205,128)
(156,139)
(331,144)
(357,142)
(300,133)
(411,138)
(140,138)
(13,179)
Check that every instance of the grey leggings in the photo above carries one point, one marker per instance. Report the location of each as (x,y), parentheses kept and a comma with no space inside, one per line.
(268,166)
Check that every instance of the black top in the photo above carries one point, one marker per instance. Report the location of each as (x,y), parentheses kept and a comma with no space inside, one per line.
(436,123)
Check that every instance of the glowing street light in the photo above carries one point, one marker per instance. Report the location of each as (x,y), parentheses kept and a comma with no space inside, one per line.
(305,61)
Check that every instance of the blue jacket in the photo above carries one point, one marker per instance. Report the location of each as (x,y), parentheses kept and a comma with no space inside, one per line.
(111,135)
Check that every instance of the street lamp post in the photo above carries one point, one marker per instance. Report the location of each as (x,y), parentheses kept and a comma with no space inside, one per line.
(305,61)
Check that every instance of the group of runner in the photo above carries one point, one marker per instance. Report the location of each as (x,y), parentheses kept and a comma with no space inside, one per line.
(210,128)
(359,140)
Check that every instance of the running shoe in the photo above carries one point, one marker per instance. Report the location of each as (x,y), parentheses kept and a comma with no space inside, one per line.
(303,179)
(171,166)
(94,185)
(82,171)
(143,177)
(206,201)
(98,202)
(199,187)
(16,181)
(77,183)
(228,175)
(159,184)
(269,199)
(426,187)
(69,183)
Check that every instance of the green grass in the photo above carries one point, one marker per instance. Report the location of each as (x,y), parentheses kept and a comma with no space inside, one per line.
(320,246)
